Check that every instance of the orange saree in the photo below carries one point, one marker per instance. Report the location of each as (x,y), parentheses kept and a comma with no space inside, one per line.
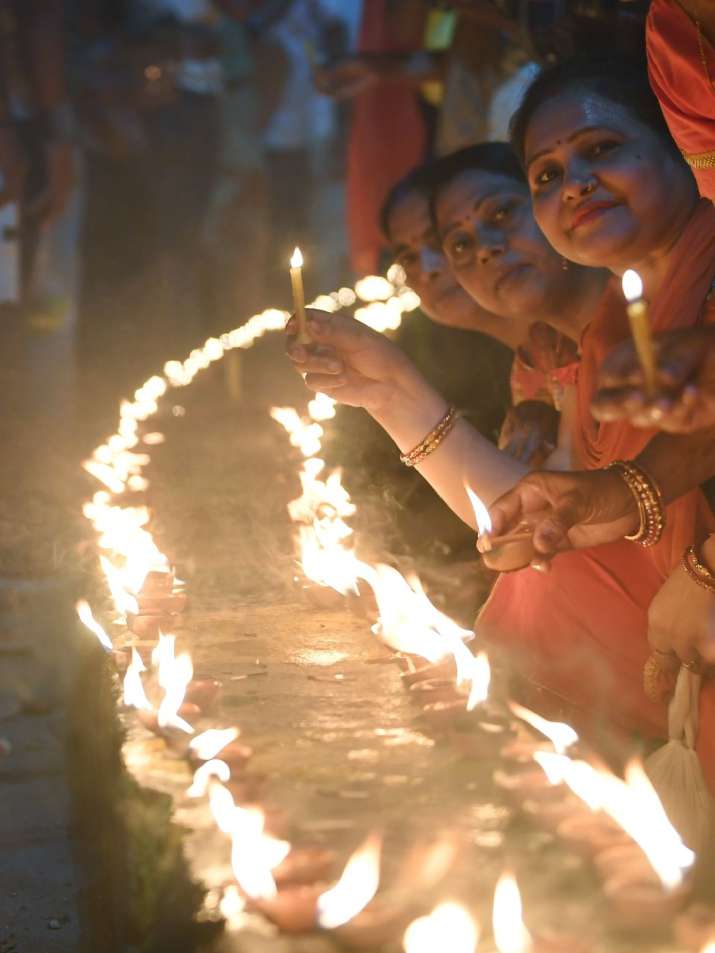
(681,68)
(580,631)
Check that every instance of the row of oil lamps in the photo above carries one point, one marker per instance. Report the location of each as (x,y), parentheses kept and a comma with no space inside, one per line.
(619,824)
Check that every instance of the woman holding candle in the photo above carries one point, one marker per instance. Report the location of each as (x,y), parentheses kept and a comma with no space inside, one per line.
(530,429)
(609,188)
(683,400)
(611,191)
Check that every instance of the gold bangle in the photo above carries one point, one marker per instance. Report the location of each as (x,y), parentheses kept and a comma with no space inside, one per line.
(697,570)
(648,499)
(433,439)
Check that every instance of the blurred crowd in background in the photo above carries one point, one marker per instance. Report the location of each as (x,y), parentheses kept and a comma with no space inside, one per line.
(161,158)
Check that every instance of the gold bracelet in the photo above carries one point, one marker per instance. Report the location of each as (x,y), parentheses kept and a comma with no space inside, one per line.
(697,570)
(648,499)
(433,439)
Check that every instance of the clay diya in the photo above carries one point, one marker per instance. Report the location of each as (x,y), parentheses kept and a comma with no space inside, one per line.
(428,671)
(293,909)
(624,860)
(157,582)
(170,603)
(590,834)
(640,905)
(432,690)
(374,926)
(305,865)
(203,692)
(695,927)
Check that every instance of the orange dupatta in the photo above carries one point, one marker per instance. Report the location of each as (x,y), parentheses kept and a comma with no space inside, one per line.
(681,303)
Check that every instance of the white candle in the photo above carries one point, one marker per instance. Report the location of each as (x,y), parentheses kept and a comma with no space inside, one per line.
(296,282)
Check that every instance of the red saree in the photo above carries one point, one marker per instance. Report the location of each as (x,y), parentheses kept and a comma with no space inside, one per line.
(580,631)
(387,136)
(681,67)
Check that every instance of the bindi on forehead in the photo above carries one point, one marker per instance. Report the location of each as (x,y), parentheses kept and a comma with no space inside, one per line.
(558,120)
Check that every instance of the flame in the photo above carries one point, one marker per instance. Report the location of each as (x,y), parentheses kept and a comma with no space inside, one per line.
(254,854)
(174,675)
(85,614)
(231,906)
(296,260)
(209,743)
(709,947)
(633,804)
(561,736)
(510,933)
(304,434)
(449,926)
(374,288)
(632,285)
(480,677)
(408,622)
(356,887)
(134,695)
(481,513)
(205,773)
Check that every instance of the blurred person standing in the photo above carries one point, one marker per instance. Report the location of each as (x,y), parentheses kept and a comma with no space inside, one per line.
(37,162)
(290,37)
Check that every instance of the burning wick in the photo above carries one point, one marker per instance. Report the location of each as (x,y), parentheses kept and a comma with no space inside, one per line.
(510,933)
(355,889)
(637,310)
(486,542)
(449,925)
(87,618)
(296,283)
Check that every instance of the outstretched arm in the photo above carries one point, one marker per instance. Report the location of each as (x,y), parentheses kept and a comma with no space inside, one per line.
(359,367)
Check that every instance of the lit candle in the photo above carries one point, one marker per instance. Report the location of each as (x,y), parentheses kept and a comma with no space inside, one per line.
(296,282)
(640,328)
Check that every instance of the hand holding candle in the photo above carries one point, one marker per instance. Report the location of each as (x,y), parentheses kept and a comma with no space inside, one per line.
(296,281)
(637,309)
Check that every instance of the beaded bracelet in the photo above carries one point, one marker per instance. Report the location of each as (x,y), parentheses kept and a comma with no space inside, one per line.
(697,570)
(433,439)
(648,499)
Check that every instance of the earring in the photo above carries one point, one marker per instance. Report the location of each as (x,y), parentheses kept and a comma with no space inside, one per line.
(564,264)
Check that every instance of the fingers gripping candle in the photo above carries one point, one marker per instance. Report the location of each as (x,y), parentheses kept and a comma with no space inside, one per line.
(296,282)
(637,309)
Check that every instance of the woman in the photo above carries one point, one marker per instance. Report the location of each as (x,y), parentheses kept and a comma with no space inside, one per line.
(680,40)
(530,429)
(609,188)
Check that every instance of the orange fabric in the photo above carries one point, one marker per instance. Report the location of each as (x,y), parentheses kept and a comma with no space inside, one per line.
(543,366)
(681,83)
(387,138)
(581,629)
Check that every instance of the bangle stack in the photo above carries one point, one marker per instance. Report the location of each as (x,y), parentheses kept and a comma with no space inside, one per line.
(697,570)
(648,499)
(433,439)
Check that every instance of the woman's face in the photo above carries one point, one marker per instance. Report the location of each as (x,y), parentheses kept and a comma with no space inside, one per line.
(416,247)
(495,247)
(605,189)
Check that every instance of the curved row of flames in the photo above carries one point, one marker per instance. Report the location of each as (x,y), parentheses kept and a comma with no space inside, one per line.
(133,566)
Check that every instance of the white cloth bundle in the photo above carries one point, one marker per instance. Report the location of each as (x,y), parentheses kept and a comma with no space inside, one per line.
(675,768)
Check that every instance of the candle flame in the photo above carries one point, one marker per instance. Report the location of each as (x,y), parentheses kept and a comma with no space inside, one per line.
(87,618)
(510,933)
(632,285)
(480,677)
(481,513)
(356,887)
(134,695)
(296,260)
(209,743)
(632,803)
(254,854)
(560,735)
(205,773)
(449,926)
